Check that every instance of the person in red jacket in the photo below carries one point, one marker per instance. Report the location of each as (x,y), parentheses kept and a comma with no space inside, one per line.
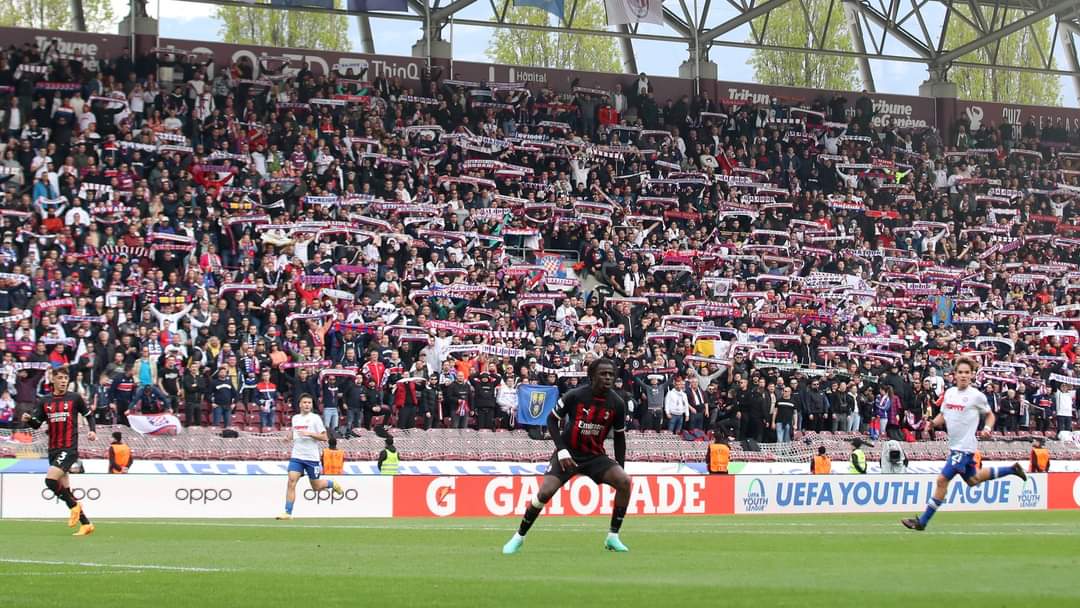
(406,401)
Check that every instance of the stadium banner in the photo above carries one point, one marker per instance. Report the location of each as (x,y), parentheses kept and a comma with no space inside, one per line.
(785,494)
(183,497)
(840,467)
(1064,490)
(505,496)
(280,467)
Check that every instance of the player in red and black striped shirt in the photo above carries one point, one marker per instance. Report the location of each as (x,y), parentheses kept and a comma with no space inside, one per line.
(589,413)
(61,411)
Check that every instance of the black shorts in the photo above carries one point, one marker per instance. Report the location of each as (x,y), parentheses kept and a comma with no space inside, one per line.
(63,458)
(593,467)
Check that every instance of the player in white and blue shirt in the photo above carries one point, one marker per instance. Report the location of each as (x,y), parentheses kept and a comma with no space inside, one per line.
(307,431)
(962,406)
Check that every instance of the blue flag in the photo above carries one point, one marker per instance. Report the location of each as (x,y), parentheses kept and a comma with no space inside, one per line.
(535,403)
(359,6)
(302,3)
(555,7)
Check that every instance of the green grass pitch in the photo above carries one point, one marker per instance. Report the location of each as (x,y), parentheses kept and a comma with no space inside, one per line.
(984,560)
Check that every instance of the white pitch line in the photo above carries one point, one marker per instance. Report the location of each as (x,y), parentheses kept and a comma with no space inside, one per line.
(140,567)
(765,529)
(63,575)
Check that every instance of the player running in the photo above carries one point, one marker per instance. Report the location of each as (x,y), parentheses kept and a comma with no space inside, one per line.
(961,408)
(60,410)
(593,410)
(307,431)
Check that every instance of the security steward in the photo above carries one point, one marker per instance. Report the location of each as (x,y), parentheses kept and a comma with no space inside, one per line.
(388,458)
(718,456)
(1040,457)
(821,464)
(858,458)
(333,459)
(120,457)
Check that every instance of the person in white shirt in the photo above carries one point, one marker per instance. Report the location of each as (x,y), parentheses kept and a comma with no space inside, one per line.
(962,406)
(677,406)
(307,431)
(1064,399)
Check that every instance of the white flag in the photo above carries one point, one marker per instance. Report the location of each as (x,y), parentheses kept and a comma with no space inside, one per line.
(621,12)
(160,424)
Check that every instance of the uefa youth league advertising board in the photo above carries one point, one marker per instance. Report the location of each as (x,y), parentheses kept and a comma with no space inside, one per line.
(791,494)
(194,496)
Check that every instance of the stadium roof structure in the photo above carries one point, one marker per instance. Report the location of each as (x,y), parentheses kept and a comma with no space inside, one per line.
(913,31)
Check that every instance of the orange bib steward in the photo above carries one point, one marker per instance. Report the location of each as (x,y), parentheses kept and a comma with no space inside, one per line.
(333,461)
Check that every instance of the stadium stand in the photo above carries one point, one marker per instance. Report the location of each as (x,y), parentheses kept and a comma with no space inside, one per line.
(414,254)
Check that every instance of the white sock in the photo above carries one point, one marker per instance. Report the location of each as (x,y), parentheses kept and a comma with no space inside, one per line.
(613,535)
(518,535)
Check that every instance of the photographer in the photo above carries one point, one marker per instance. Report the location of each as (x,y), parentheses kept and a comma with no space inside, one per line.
(893,459)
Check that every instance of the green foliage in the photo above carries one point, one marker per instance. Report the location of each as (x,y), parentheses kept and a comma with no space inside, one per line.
(557,50)
(1019,48)
(56,14)
(292,28)
(787,26)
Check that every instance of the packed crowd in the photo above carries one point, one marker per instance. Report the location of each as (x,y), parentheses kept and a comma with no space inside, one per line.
(212,239)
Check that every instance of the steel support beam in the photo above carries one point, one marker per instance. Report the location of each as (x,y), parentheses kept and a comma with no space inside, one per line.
(679,31)
(1066,31)
(1064,7)
(901,35)
(442,14)
(676,23)
(367,41)
(744,18)
(626,45)
(851,16)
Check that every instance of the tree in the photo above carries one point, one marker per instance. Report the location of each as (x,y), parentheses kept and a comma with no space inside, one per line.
(787,26)
(557,50)
(1019,49)
(56,14)
(285,28)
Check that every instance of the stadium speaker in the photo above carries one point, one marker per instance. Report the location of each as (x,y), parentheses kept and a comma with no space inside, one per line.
(229,434)
(750,445)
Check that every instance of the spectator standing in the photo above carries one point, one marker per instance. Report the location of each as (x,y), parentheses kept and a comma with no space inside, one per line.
(677,407)
(223,396)
(120,458)
(783,416)
(193,388)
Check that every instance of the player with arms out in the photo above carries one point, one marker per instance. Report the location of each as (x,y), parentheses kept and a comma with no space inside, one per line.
(961,408)
(591,412)
(61,412)
(307,431)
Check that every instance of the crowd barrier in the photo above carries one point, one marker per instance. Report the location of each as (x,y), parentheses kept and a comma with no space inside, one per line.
(262,496)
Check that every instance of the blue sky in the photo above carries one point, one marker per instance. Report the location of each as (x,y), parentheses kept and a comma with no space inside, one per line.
(394,37)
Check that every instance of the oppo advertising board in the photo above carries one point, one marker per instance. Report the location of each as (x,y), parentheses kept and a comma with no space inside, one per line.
(483,496)
(193,496)
(789,494)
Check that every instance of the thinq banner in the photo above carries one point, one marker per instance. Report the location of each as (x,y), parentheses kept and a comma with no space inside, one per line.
(790,494)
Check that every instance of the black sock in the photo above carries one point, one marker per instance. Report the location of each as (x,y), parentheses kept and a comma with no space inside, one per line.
(63,494)
(617,515)
(528,519)
(83,519)
(68,497)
